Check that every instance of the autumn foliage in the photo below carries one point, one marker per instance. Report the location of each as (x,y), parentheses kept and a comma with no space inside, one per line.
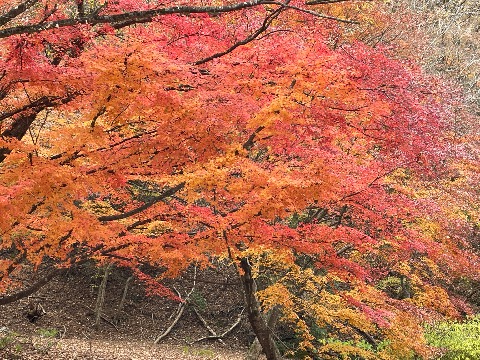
(182,139)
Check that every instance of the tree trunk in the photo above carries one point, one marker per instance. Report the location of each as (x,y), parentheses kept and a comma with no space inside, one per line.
(255,348)
(255,317)
(101,296)
(118,314)
(25,117)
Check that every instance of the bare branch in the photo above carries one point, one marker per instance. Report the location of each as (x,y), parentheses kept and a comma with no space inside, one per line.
(132,17)
(369,338)
(22,123)
(208,327)
(370,184)
(344,249)
(43,102)
(178,315)
(138,17)
(17,10)
(122,301)
(101,295)
(32,289)
(102,316)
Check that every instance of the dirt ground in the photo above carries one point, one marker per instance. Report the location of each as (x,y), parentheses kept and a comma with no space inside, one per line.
(82,349)
(65,329)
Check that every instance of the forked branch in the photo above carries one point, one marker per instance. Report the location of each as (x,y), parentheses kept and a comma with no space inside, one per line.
(213,334)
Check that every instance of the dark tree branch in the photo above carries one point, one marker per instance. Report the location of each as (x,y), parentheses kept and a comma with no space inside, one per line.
(266,24)
(42,102)
(131,17)
(214,335)
(97,115)
(81,8)
(7,299)
(32,289)
(317,14)
(251,140)
(49,13)
(145,16)
(18,129)
(341,213)
(17,10)
(22,123)
(145,206)
(369,338)
(369,185)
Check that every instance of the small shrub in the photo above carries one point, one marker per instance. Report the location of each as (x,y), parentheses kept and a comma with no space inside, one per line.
(198,300)
(10,346)
(458,340)
(48,333)
(6,339)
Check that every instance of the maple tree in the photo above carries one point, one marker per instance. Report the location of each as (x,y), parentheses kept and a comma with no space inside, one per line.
(444,34)
(231,130)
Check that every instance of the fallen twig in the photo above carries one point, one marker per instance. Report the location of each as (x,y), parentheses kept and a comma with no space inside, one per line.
(180,310)
(214,336)
(204,322)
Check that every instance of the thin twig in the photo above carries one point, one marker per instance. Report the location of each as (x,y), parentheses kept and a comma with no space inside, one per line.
(266,24)
(317,14)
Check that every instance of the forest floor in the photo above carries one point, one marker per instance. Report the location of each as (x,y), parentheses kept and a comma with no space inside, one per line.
(65,329)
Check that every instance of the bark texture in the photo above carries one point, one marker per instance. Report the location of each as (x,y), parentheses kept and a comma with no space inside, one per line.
(254,312)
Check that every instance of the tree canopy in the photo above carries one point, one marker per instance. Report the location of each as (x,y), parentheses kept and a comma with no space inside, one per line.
(259,132)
